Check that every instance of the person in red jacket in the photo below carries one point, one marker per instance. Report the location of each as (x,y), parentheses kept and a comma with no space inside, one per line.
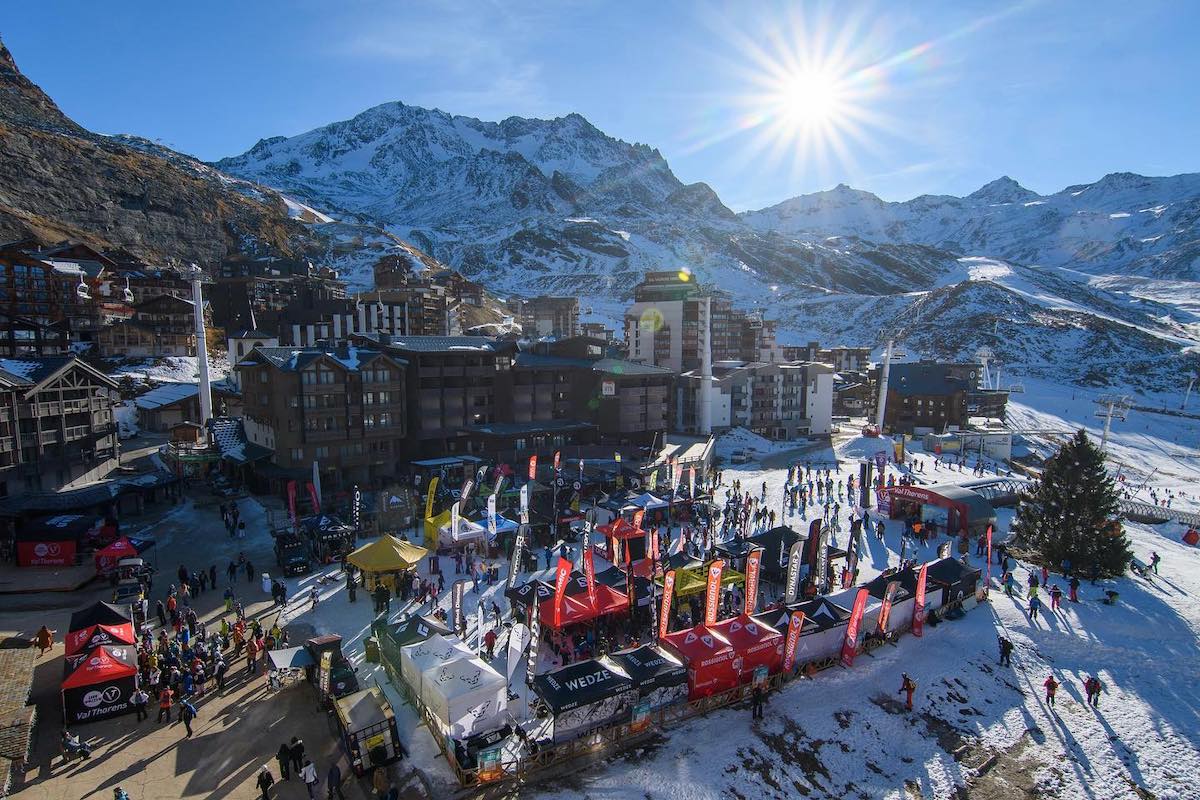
(489,642)
(1051,687)
(907,686)
(164,703)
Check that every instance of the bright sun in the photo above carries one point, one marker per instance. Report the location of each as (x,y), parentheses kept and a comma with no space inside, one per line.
(809,97)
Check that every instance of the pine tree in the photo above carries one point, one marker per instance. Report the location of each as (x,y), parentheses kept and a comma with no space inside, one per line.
(1072,512)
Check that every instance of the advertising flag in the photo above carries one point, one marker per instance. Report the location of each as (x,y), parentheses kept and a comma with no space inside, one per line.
(617,457)
(454,520)
(356,509)
(987,582)
(752,564)
(654,545)
(795,556)
(479,629)
(795,624)
(918,625)
(944,550)
(821,569)
(589,574)
(315,497)
(814,538)
(652,481)
(557,453)
(518,555)
(638,516)
(456,603)
(533,467)
(535,639)
(429,496)
(291,490)
(692,479)
(518,640)
(852,560)
(712,595)
(468,489)
(677,473)
(562,576)
(525,504)
(491,512)
(664,616)
(850,645)
(889,596)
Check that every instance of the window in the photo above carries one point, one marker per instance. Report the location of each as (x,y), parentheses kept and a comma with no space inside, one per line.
(297,454)
(263,377)
(264,399)
(293,402)
(321,452)
(385,420)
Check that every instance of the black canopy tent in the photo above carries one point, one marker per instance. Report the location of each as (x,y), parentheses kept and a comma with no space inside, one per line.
(616,579)
(776,544)
(415,629)
(524,594)
(660,678)
(957,580)
(583,696)
(99,614)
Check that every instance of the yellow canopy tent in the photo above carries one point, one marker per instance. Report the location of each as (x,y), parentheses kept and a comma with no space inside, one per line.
(689,581)
(380,559)
(433,525)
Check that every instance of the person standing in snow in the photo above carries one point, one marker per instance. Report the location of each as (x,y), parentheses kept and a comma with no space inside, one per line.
(1035,605)
(1051,687)
(907,687)
(1055,597)
(1073,586)
(1093,687)
(1006,648)
(1154,559)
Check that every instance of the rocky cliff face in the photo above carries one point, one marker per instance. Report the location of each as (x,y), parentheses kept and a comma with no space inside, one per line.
(59,181)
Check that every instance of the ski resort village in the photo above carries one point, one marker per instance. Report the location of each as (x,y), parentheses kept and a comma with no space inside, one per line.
(414,456)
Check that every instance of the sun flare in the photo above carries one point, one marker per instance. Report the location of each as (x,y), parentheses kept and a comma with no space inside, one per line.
(809,97)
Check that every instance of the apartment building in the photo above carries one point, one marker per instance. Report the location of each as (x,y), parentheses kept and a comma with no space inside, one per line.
(666,324)
(778,401)
(546,316)
(926,396)
(345,408)
(56,424)
(841,358)
(163,325)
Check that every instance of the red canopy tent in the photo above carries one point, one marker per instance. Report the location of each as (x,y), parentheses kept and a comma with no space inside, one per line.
(576,608)
(106,559)
(99,684)
(85,639)
(621,528)
(709,657)
(757,644)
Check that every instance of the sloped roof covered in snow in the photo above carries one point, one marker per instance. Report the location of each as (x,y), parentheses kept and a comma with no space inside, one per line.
(291,359)
(231,441)
(165,395)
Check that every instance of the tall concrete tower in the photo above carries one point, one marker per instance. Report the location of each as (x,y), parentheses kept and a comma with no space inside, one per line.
(197,276)
(705,400)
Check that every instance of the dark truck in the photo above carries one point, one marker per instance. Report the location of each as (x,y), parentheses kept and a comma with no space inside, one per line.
(291,553)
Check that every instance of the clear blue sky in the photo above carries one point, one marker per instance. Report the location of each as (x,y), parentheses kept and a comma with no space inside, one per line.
(930,97)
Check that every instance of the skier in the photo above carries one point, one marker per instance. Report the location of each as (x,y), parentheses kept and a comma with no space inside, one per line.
(1010,585)
(1006,648)
(1154,559)
(907,687)
(1051,687)
(1074,589)
(1055,597)
(1035,605)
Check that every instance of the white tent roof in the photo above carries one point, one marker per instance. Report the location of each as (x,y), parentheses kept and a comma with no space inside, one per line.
(647,501)
(467,531)
(466,696)
(416,658)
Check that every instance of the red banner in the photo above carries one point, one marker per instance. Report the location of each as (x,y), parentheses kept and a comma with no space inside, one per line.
(557,453)
(752,562)
(889,596)
(665,617)
(561,576)
(692,479)
(638,516)
(654,555)
(712,594)
(987,582)
(850,645)
(918,626)
(316,501)
(533,467)
(793,638)
(291,491)
(589,574)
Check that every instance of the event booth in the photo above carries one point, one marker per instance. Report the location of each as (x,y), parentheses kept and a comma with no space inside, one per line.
(615,578)
(777,545)
(56,541)
(953,509)
(659,677)
(870,618)
(437,649)
(824,638)
(414,629)
(957,581)
(107,558)
(523,596)
(99,684)
(903,601)
(757,645)
(709,657)
(99,624)
(694,580)
(623,542)
(466,696)
(385,558)
(328,535)
(577,608)
(583,696)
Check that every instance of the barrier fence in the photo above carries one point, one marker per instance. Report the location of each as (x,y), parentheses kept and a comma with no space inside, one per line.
(612,739)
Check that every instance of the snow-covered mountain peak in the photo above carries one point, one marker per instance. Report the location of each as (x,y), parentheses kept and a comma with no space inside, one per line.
(1002,190)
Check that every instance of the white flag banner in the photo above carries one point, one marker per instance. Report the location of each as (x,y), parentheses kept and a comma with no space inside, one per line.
(525,504)
(491,512)
(518,640)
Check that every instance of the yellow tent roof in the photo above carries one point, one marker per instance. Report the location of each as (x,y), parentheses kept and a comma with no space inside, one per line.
(693,580)
(387,554)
